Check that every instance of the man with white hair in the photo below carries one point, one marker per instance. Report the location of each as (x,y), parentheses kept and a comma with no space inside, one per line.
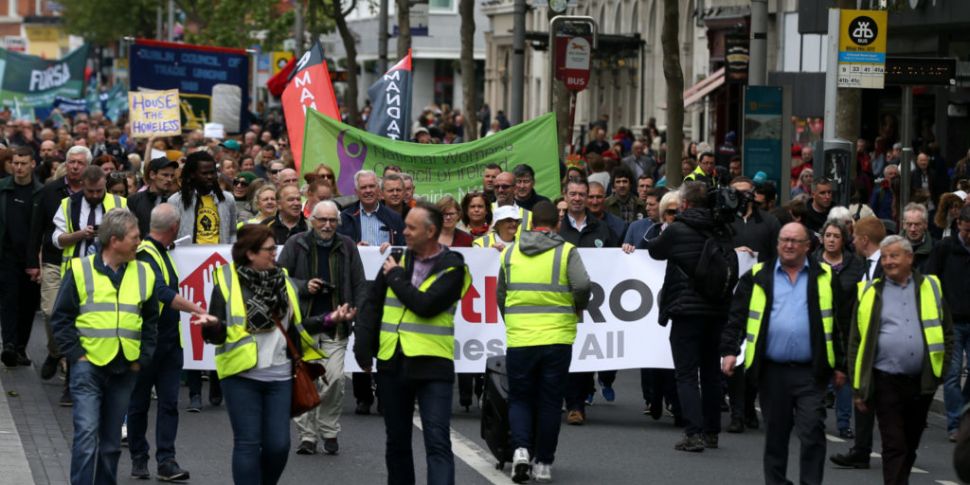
(915,229)
(900,343)
(163,371)
(327,271)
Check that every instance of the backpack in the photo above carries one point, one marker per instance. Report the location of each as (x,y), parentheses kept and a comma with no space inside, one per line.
(716,273)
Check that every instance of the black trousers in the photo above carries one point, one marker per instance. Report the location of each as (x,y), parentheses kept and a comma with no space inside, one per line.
(792,398)
(742,394)
(694,344)
(864,424)
(19,301)
(580,386)
(659,385)
(469,384)
(901,410)
(363,388)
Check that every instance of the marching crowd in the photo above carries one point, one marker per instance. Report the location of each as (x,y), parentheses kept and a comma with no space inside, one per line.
(860,308)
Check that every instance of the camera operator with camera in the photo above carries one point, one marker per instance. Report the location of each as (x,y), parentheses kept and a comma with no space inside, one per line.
(327,271)
(701,272)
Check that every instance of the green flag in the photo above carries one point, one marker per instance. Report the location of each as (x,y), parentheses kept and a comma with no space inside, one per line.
(438,170)
(29,81)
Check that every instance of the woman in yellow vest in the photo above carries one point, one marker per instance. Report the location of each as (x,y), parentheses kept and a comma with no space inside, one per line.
(253,303)
(507,219)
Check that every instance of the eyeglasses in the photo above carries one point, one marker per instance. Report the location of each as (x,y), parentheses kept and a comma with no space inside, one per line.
(502,186)
(794,242)
(241,183)
(271,249)
(325,220)
(275,171)
(450,214)
(326,176)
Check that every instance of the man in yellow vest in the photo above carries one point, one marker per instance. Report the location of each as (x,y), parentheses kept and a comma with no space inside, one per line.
(163,372)
(785,310)
(900,344)
(104,322)
(408,324)
(542,288)
(76,221)
(705,171)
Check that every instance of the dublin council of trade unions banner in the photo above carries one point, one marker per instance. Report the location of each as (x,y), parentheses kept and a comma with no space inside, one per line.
(32,82)
(618,330)
(213,82)
(438,170)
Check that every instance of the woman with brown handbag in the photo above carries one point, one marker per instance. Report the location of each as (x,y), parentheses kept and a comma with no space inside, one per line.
(261,339)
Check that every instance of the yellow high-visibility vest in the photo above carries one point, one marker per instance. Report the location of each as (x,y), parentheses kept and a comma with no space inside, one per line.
(539,307)
(149,248)
(110,201)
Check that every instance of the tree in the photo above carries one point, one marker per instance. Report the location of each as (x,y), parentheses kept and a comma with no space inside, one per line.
(674,75)
(339,15)
(403,27)
(106,21)
(466,9)
(560,102)
(231,23)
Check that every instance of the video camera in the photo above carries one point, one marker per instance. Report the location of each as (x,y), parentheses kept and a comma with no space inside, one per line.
(726,203)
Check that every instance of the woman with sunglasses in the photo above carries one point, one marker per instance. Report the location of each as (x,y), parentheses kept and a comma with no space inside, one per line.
(507,220)
(241,188)
(324,172)
(258,330)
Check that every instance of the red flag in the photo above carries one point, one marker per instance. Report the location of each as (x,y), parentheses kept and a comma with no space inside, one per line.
(309,87)
(277,83)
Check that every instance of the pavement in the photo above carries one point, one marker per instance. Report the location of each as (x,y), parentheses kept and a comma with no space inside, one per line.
(617,445)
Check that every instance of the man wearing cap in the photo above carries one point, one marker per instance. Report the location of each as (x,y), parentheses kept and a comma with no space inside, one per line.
(423,136)
(161,184)
(231,149)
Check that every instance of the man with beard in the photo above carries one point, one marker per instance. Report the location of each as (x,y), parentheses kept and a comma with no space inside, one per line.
(161,183)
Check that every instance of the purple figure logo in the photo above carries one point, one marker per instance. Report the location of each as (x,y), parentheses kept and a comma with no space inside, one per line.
(351,158)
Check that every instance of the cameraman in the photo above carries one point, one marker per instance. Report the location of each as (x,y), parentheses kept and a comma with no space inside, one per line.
(694,337)
(755,232)
(327,272)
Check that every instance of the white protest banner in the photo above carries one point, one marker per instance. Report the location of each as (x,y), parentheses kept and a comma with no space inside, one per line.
(618,331)
(154,113)
(214,130)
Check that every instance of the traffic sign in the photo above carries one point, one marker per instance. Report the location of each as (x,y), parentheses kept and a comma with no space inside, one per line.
(921,70)
(862,49)
(572,61)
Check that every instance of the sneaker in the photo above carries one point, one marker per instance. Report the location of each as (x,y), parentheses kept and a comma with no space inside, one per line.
(66,399)
(736,426)
(542,472)
(692,443)
(609,394)
(48,368)
(307,448)
(362,409)
(852,459)
(330,446)
(170,471)
(22,359)
(195,404)
(575,417)
(846,434)
(9,357)
(139,469)
(124,434)
(521,467)
(589,399)
(710,440)
(646,409)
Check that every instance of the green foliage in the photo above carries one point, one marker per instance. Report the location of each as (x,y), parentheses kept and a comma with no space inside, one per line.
(106,21)
(229,23)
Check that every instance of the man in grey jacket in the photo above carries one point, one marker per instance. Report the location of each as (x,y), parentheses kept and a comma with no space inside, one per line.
(208,214)
(327,271)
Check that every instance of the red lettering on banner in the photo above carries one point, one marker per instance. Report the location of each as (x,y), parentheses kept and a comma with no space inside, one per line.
(196,287)
(468,312)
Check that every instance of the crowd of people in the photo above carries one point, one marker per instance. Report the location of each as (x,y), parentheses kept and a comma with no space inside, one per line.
(88,216)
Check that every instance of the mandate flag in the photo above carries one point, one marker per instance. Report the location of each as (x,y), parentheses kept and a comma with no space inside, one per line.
(310,87)
(390,97)
(31,82)
(438,170)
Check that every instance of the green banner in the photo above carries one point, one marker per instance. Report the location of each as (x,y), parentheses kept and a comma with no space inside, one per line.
(438,170)
(30,82)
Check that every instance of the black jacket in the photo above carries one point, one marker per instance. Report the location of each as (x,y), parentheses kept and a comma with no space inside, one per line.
(949,261)
(46,203)
(299,257)
(681,244)
(6,189)
(281,233)
(595,234)
(350,223)
(141,204)
(736,328)
(759,232)
(440,296)
(529,202)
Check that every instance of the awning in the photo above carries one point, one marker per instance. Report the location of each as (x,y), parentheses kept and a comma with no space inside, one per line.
(704,87)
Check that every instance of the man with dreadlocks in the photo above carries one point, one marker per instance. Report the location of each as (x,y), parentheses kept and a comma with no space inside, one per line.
(208,215)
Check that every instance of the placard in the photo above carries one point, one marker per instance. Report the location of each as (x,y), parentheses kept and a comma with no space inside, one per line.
(154,113)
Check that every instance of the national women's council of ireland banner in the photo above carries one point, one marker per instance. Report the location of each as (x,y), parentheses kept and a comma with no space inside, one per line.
(618,330)
(438,170)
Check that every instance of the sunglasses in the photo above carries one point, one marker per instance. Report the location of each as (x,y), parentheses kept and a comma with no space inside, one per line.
(241,182)
(502,186)
(275,171)
(326,176)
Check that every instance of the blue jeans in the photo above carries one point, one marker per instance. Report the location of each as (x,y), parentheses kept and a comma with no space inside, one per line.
(843,406)
(259,412)
(434,399)
(100,401)
(163,374)
(953,397)
(538,377)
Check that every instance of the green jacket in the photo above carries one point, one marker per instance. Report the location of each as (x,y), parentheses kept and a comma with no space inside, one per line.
(928,382)
(6,187)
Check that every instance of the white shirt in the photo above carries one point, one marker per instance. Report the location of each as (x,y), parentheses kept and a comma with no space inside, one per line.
(60,223)
(579,227)
(873,262)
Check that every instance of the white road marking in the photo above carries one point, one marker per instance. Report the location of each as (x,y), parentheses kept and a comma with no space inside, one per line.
(946,482)
(918,470)
(474,456)
(834,439)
